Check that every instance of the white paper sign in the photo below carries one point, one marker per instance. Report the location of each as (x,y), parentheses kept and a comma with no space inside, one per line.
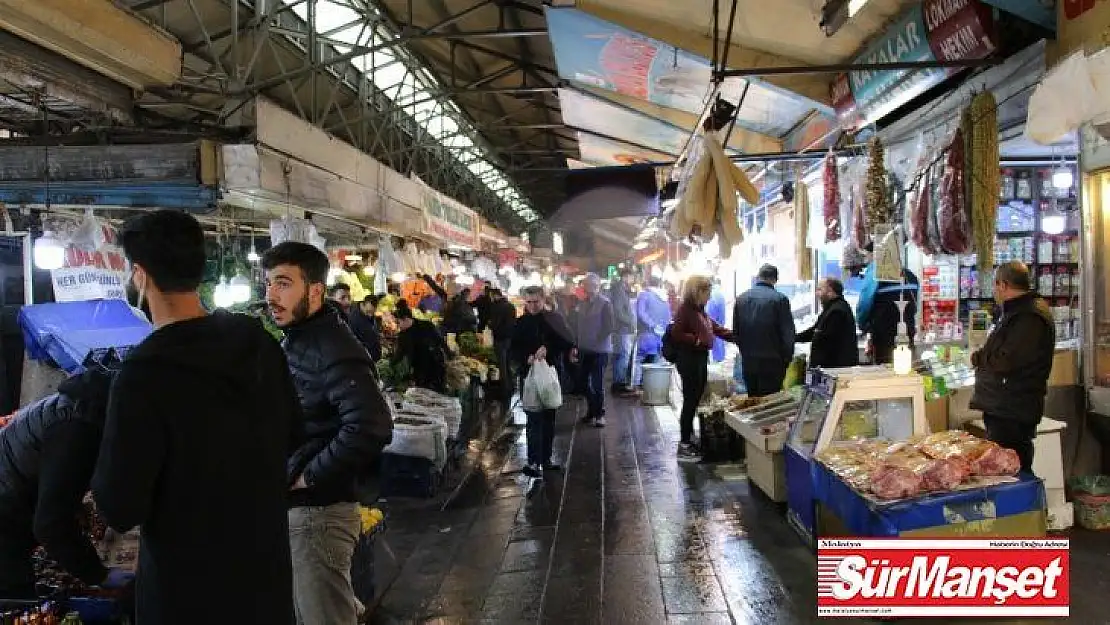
(76,284)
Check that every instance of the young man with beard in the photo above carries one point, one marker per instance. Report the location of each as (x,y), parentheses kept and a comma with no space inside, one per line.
(199,426)
(346,423)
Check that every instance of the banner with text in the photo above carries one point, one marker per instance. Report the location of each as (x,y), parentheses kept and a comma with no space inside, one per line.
(933,30)
(952,578)
(92,274)
(450,222)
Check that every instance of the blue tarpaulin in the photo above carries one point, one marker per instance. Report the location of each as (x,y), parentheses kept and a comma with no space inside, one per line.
(66,332)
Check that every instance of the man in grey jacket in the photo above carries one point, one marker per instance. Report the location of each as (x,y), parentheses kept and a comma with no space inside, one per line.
(764,327)
(624,331)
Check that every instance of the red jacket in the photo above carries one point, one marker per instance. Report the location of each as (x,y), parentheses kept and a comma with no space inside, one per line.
(693,328)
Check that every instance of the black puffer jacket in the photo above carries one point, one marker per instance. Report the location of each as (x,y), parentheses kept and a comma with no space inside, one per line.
(346,420)
(833,337)
(1012,369)
(47,456)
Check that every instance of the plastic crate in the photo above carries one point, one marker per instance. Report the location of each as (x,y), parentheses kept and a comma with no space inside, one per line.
(409,476)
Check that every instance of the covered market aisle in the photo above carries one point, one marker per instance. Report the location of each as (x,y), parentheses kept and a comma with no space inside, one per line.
(626,535)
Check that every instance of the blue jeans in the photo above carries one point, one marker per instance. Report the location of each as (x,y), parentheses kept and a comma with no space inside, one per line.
(323,543)
(541,434)
(593,368)
(622,358)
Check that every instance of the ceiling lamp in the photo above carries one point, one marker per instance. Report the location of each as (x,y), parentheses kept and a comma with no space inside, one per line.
(240,289)
(640,245)
(1053,223)
(221,295)
(252,256)
(353,258)
(1062,178)
(49,252)
(398,277)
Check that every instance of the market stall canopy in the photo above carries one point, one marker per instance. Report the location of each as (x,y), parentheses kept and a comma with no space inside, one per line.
(66,332)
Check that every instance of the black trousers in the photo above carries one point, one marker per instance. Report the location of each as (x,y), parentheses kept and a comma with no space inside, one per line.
(1014,435)
(693,371)
(763,378)
(17,578)
(540,433)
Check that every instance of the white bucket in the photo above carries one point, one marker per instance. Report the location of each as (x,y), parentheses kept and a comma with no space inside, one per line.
(657,384)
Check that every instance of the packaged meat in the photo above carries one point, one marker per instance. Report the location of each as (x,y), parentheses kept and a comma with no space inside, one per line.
(944,474)
(889,482)
(996,461)
(953,444)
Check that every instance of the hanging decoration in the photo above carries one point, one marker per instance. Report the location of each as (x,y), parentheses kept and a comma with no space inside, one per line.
(878,204)
(803,254)
(709,206)
(980,130)
(831,206)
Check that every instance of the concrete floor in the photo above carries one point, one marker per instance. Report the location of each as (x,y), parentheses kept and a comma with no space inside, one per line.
(626,534)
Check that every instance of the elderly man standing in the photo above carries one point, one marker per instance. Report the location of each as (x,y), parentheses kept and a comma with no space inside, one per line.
(593,331)
(764,328)
(1011,370)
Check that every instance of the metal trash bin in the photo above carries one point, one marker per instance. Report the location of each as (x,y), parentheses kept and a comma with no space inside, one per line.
(657,384)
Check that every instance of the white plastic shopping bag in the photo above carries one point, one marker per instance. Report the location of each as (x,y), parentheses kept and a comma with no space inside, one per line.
(541,388)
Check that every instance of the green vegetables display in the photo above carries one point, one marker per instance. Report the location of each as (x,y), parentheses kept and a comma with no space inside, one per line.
(468,343)
(394,375)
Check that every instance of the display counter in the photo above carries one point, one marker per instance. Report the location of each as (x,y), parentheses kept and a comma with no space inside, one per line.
(764,426)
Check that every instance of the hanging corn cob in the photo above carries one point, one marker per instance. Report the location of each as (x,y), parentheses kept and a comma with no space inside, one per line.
(985,179)
(878,204)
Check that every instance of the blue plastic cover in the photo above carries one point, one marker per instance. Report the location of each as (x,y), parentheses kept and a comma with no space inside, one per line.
(66,332)
(863,517)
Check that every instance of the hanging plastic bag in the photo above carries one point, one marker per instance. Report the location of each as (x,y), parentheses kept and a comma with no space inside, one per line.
(89,236)
(1064,100)
(541,388)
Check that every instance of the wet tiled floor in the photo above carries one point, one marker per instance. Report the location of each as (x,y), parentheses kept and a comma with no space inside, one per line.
(625,534)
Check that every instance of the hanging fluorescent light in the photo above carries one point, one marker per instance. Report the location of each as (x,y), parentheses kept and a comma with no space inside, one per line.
(252,256)
(353,258)
(1062,178)
(49,252)
(640,245)
(398,276)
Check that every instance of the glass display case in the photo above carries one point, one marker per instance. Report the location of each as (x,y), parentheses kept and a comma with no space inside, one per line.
(1095,163)
(841,405)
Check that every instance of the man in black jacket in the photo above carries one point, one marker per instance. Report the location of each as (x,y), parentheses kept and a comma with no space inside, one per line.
(199,426)
(545,335)
(47,456)
(364,324)
(1012,369)
(346,424)
(502,318)
(423,346)
(833,336)
(764,328)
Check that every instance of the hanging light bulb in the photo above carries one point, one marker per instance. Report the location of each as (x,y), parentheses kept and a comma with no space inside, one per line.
(252,256)
(368,270)
(1053,223)
(903,360)
(239,289)
(221,295)
(1062,178)
(398,277)
(49,252)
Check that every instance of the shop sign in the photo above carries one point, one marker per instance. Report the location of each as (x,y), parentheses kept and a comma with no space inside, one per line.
(449,222)
(945,30)
(96,274)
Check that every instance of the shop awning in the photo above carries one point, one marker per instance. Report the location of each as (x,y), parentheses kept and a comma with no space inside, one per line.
(66,332)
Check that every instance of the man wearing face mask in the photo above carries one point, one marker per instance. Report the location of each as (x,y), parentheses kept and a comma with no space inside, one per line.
(199,425)
(346,424)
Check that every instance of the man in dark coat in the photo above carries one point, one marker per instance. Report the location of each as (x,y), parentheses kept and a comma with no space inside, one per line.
(364,324)
(502,318)
(199,427)
(423,346)
(539,334)
(345,424)
(1012,368)
(833,336)
(763,325)
(47,456)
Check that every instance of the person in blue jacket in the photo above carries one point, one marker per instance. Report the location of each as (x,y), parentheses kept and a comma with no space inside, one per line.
(717,310)
(653,314)
(877,312)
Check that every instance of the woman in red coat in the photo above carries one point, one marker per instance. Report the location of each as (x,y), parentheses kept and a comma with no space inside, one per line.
(692,334)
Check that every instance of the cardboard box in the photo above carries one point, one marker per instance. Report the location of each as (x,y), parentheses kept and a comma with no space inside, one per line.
(1065,368)
(936,414)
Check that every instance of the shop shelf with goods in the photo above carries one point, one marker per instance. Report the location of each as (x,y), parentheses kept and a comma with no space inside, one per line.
(861,461)
(1037,224)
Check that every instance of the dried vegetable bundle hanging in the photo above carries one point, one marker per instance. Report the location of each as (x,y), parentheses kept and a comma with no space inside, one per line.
(831,208)
(878,203)
(804,255)
(955,229)
(980,131)
(920,206)
(709,204)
